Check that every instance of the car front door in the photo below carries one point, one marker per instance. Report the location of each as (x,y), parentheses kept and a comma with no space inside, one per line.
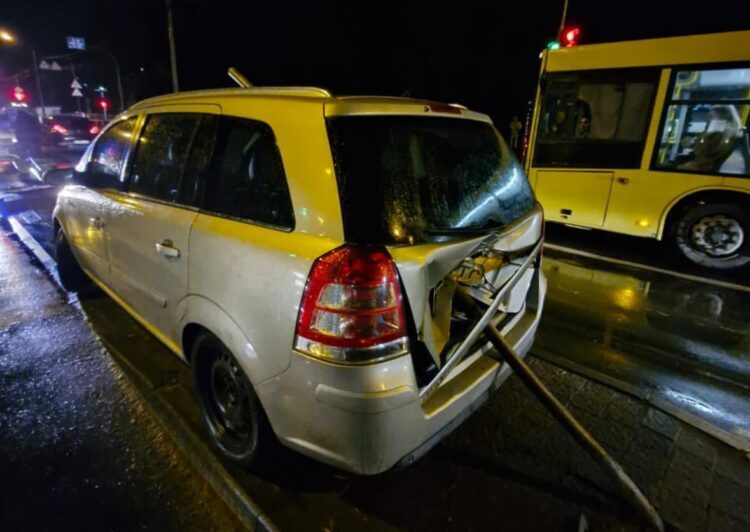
(86,205)
(149,224)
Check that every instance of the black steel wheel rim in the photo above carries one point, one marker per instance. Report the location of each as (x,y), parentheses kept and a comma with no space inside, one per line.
(229,404)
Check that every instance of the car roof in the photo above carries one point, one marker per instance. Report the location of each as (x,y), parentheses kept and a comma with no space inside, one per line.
(334,105)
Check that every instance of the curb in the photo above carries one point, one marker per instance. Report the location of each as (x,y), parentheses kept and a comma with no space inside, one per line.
(208,465)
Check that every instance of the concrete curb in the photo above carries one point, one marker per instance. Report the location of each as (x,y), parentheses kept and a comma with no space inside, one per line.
(202,458)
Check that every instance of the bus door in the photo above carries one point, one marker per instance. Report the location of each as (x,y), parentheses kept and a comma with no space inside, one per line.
(574,197)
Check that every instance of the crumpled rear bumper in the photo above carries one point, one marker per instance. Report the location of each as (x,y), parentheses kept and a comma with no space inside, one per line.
(368,419)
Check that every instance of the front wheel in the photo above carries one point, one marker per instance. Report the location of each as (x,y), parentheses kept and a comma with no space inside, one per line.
(714,235)
(72,277)
(232,411)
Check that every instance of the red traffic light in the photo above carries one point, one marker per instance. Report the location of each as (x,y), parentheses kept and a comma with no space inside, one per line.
(18,95)
(570,36)
(103,103)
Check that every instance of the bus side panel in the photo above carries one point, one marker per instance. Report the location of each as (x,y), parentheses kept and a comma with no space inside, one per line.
(639,198)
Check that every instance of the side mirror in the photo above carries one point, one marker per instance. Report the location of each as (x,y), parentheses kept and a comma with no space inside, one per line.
(59,177)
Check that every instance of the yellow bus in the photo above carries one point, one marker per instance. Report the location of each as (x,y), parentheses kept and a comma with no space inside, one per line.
(649,138)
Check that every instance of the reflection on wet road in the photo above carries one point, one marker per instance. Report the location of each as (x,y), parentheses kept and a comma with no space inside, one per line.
(683,345)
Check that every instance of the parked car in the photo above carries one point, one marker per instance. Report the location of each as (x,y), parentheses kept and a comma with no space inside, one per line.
(20,133)
(71,131)
(301,252)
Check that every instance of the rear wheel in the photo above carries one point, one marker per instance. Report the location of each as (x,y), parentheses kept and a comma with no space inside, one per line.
(714,235)
(232,411)
(72,277)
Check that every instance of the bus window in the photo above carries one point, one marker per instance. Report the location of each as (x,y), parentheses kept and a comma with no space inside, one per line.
(705,128)
(594,119)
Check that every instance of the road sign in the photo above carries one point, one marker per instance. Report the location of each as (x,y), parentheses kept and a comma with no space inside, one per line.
(77,93)
(76,84)
(75,43)
(55,66)
(44,65)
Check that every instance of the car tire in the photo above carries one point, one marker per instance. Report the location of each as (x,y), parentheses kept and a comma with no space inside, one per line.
(237,425)
(72,277)
(713,235)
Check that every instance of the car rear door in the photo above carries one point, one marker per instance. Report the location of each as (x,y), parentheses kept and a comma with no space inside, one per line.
(149,224)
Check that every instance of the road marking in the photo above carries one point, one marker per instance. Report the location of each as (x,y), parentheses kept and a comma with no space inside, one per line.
(620,262)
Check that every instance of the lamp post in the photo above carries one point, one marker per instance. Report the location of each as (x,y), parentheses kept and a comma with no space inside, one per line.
(172,47)
(563,19)
(117,72)
(8,37)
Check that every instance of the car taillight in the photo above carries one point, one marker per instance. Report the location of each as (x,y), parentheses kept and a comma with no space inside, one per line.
(94,130)
(57,128)
(352,310)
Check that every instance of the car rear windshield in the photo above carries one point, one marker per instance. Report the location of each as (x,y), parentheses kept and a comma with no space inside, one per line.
(413,179)
(73,122)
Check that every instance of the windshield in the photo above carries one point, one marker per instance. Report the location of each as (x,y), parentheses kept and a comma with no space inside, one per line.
(407,179)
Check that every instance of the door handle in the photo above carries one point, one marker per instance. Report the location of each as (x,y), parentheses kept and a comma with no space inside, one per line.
(96,222)
(623,180)
(168,249)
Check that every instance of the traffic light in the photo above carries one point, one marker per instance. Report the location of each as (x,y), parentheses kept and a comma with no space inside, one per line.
(18,96)
(103,104)
(570,36)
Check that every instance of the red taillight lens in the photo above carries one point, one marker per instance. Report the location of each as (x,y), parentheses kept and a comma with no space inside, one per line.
(94,130)
(352,309)
(57,128)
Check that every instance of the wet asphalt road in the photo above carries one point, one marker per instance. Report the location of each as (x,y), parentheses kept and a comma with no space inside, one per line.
(77,449)
(681,344)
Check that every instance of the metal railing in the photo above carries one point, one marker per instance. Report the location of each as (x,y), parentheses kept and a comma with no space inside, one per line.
(468,342)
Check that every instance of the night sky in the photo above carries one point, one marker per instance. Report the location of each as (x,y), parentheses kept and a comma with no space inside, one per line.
(481,54)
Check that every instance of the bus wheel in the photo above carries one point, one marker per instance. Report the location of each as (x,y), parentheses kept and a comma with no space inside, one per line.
(714,235)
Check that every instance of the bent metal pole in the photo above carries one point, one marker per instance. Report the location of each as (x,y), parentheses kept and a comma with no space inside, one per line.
(566,419)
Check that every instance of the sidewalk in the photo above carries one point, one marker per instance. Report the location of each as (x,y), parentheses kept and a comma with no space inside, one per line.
(78,451)
(697,482)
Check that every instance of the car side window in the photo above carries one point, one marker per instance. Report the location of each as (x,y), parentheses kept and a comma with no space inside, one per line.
(161,155)
(198,161)
(247,177)
(109,155)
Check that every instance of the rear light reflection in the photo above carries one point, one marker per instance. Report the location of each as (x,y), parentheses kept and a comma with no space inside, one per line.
(58,128)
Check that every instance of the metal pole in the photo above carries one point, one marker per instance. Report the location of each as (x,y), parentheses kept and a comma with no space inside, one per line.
(73,71)
(117,72)
(119,79)
(562,20)
(38,82)
(563,415)
(172,51)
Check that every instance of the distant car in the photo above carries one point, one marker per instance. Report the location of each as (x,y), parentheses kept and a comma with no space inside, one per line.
(20,133)
(7,135)
(71,131)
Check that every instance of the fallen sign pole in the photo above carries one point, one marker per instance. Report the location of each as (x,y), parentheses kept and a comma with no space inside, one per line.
(566,419)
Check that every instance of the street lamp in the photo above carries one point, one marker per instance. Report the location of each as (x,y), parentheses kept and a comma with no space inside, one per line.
(7,37)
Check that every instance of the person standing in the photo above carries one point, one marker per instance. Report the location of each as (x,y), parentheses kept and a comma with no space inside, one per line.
(515,130)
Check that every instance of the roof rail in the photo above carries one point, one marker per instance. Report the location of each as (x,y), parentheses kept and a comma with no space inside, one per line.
(310,92)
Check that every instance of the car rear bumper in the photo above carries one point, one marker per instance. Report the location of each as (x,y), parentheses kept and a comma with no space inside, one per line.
(368,419)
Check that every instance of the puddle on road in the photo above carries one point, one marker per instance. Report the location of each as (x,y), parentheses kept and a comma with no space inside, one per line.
(683,344)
